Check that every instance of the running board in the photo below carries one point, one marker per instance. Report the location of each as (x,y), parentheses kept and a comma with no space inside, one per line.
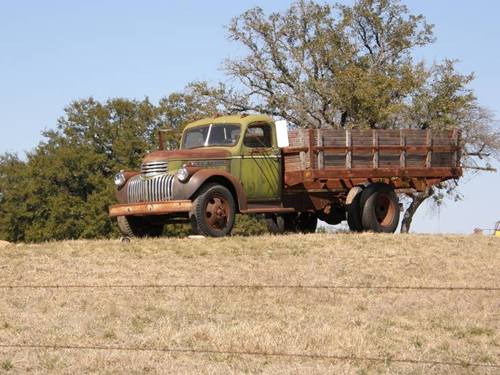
(262,209)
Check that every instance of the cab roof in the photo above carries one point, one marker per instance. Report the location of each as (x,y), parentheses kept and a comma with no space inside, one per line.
(231,119)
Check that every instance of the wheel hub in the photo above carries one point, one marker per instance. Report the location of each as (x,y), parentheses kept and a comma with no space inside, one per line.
(383,209)
(216,212)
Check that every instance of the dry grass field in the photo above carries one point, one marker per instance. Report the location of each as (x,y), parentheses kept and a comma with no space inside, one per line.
(457,326)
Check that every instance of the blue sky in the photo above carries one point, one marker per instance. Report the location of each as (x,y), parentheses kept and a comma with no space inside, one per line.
(53,52)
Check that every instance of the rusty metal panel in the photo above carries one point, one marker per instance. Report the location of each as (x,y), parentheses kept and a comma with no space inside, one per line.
(158,208)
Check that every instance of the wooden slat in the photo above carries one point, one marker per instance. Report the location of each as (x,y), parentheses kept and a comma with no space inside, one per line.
(375,147)
(311,148)
(428,160)
(402,140)
(302,155)
(456,155)
(348,143)
(292,178)
(408,148)
(320,152)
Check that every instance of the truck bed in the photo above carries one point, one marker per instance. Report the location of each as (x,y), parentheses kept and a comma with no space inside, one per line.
(337,159)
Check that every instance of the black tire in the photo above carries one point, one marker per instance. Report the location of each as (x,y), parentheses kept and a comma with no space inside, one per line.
(353,214)
(275,223)
(132,226)
(213,212)
(306,222)
(336,215)
(380,208)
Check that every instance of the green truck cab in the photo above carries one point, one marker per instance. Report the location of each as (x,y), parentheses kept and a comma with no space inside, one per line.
(225,165)
(251,164)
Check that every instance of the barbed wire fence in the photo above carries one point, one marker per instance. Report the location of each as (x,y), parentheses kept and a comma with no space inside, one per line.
(201,351)
(328,357)
(246,286)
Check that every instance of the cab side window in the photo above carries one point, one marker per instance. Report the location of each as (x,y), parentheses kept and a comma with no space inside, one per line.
(258,136)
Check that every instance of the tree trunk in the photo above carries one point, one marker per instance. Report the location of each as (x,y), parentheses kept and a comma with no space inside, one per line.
(416,200)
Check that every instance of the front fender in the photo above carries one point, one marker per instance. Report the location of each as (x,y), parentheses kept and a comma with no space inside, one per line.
(122,192)
(186,190)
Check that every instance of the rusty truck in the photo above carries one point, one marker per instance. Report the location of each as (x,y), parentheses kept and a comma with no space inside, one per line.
(251,164)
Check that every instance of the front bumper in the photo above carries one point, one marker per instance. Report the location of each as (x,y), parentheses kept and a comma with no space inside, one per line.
(150,208)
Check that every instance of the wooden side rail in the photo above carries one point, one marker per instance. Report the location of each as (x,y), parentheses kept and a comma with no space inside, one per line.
(423,149)
(312,145)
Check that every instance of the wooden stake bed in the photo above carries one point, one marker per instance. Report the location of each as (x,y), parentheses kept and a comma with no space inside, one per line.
(336,160)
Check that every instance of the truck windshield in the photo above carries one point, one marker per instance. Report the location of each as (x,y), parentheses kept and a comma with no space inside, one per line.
(211,135)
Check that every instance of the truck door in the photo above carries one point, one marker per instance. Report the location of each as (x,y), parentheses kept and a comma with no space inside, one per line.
(261,163)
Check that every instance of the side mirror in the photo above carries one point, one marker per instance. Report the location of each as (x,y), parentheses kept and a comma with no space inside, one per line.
(282,133)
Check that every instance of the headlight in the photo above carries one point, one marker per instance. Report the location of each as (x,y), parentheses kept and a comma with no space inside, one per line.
(182,174)
(120,179)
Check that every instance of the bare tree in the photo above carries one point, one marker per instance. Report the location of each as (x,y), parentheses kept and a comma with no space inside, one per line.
(320,65)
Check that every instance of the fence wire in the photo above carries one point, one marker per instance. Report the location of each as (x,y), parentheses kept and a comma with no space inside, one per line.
(461,363)
(315,356)
(248,286)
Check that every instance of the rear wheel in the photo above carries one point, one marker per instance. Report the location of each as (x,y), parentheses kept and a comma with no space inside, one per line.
(353,211)
(380,208)
(336,214)
(214,211)
(279,224)
(133,226)
(303,222)
(306,222)
(275,224)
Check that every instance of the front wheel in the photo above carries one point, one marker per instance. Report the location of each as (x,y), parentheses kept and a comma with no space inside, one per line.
(213,212)
(132,226)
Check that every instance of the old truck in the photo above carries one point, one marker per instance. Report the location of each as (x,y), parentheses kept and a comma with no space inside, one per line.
(250,164)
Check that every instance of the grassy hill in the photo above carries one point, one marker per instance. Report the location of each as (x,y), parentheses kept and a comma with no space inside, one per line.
(104,316)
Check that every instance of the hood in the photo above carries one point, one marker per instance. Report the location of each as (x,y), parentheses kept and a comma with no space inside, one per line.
(195,154)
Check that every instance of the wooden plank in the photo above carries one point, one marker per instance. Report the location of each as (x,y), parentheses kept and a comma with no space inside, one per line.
(293,150)
(402,140)
(348,143)
(375,148)
(311,148)
(456,143)
(341,149)
(298,177)
(320,152)
(428,160)
(302,155)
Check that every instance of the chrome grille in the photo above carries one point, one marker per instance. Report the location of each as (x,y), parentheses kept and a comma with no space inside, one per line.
(154,168)
(154,189)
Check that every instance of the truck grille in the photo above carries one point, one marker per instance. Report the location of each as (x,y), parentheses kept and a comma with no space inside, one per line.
(154,168)
(154,189)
